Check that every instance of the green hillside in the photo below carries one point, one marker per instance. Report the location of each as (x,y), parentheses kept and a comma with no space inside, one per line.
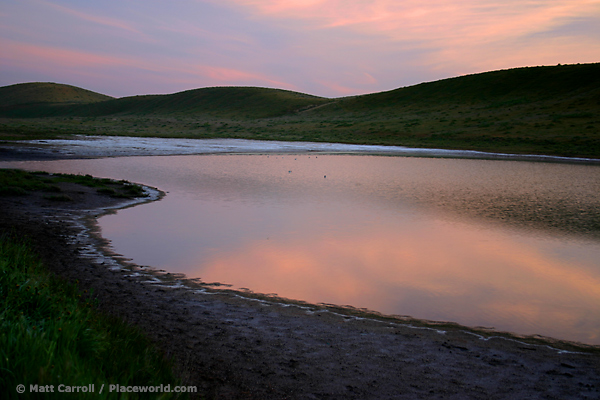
(541,110)
(243,102)
(46,93)
(538,110)
(503,88)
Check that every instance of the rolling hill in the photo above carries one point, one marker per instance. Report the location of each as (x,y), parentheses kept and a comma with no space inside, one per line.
(251,102)
(47,93)
(494,89)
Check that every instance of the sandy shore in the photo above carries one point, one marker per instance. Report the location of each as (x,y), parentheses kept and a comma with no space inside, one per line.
(240,348)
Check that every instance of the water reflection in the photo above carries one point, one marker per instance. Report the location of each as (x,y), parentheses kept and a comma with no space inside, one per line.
(511,245)
(452,275)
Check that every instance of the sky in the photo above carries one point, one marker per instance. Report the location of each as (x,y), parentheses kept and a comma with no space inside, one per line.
(329,48)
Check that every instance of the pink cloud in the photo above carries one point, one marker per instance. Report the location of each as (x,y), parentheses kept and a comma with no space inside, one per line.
(31,55)
(453,37)
(41,58)
(437,22)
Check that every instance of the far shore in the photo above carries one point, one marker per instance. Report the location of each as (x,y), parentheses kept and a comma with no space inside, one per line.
(83,146)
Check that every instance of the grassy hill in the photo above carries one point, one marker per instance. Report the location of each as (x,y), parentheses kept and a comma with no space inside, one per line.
(46,93)
(243,102)
(542,110)
(503,88)
(539,110)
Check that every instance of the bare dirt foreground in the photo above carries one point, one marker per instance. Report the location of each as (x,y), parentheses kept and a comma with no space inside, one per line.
(234,347)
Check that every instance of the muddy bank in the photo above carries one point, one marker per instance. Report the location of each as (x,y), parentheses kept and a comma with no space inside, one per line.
(238,348)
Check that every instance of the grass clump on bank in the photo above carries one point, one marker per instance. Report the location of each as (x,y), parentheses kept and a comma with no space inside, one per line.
(50,335)
(14,182)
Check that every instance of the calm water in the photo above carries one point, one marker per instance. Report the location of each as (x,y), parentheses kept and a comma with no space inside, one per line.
(504,244)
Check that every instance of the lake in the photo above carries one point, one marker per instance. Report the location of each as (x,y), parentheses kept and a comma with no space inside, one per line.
(511,245)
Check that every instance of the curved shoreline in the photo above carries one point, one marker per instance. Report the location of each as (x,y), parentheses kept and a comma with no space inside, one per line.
(99,248)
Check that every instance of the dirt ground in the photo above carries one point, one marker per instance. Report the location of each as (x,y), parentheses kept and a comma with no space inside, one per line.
(233,346)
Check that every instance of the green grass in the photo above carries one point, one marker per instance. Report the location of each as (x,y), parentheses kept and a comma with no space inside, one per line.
(236,102)
(51,335)
(46,92)
(17,182)
(540,110)
(14,182)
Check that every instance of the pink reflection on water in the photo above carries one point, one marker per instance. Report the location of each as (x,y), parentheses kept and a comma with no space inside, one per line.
(434,270)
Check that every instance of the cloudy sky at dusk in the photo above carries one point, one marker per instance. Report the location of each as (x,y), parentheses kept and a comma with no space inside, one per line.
(329,48)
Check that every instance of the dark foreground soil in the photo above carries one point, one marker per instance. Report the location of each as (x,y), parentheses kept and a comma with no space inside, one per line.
(234,347)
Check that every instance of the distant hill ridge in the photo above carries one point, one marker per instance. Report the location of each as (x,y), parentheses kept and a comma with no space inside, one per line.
(496,89)
(245,102)
(518,85)
(48,93)
(50,99)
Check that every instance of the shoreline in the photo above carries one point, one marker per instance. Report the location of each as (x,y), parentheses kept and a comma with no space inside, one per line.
(98,247)
(80,146)
(234,347)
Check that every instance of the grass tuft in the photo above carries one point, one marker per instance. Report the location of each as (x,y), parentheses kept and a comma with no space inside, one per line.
(18,182)
(15,182)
